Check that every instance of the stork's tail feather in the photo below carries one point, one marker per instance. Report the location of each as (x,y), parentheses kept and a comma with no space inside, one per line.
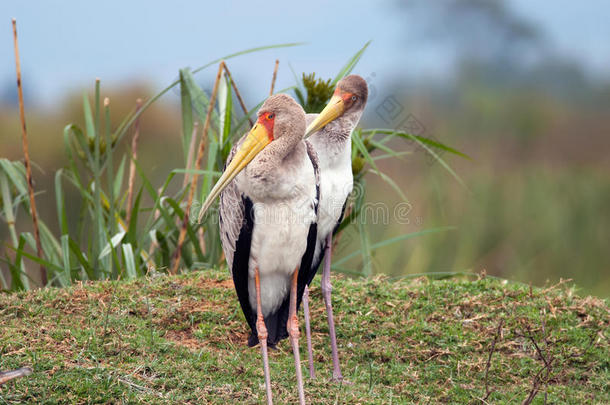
(276,327)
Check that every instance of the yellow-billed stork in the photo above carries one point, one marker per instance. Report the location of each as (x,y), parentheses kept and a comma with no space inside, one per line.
(269,194)
(330,134)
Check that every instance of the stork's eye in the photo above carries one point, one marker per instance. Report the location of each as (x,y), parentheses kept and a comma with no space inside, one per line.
(354,98)
(270,116)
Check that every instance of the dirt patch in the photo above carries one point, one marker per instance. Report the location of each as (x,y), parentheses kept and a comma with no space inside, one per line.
(184,338)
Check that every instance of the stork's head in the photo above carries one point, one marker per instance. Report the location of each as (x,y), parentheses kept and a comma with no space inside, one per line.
(279,117)
(350,96)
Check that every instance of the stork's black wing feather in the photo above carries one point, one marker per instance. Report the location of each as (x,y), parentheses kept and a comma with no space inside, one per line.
(236,220)
(241,260)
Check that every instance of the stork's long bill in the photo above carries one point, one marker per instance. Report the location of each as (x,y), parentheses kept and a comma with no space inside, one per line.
(333,110)
(257,139)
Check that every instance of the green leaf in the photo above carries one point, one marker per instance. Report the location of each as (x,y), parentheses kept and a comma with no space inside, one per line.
(88,117)
(110,176)
(50,266)
(118,178)
(13,174)
(422,139)
(50,245)
(366,251)
(7,206)
(18,273)
(113,243)
(65,277)
(187,115)
(389,151)
(164,247)
(191,171)
(130,263)
(360,147)
(350,65)
(189,229)
(87,267)
(225,108)
(133,224)
(59,202)
(395,240)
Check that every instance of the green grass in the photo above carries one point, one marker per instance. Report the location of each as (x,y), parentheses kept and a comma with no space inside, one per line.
(181,339)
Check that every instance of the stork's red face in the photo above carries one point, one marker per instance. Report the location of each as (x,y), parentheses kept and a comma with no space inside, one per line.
(257,139)
(347,97)
(267,120)
(279,116)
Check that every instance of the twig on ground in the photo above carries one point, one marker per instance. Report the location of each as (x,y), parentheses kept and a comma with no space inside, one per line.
(139,387)
(6,376)
(491,352)
(537,382)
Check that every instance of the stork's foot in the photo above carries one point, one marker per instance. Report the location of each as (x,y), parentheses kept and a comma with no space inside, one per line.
(293,331)
(340,380)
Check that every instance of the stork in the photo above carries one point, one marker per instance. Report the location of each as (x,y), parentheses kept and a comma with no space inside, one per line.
(331,138)
(269,194)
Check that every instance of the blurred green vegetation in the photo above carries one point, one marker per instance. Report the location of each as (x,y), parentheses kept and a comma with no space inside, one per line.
(535,206)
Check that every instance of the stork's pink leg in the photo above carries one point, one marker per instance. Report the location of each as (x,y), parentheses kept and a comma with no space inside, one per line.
(326,292)
(312,373)
(293,332)
(261,330)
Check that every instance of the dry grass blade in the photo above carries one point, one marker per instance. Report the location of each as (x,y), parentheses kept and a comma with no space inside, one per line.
(6,376)
(241,101)
(132,164)
(204,135)
(26,155)
(277,63)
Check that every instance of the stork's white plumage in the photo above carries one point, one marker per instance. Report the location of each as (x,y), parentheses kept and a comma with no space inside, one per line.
(331,138)
(269,195)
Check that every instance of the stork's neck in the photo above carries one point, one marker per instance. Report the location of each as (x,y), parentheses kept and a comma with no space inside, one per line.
(333,142)
(275,165)
(337,132)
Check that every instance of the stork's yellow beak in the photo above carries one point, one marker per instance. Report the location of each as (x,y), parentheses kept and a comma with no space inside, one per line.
(256,140)
(333,110)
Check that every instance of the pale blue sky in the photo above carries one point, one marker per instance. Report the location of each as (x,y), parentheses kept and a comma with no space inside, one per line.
(67,44)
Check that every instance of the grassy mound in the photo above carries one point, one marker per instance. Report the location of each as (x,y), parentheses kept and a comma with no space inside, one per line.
(182,340)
